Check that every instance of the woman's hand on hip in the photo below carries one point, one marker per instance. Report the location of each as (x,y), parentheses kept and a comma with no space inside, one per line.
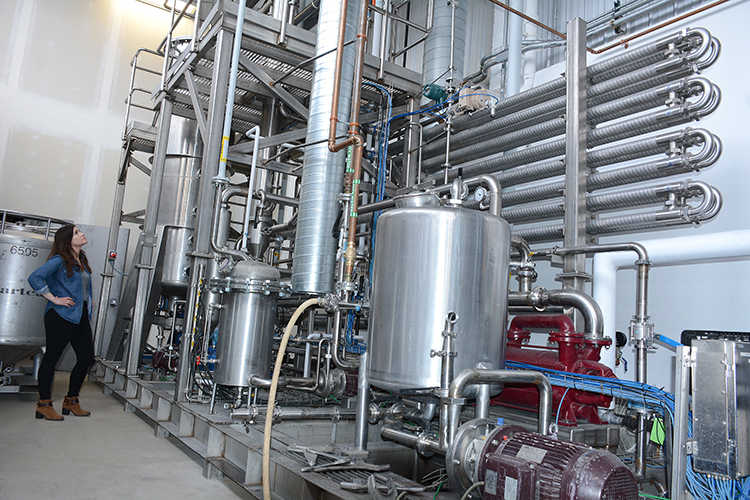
(63,301)
(59,301)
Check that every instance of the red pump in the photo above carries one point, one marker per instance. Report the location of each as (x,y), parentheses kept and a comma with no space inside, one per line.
(574,353)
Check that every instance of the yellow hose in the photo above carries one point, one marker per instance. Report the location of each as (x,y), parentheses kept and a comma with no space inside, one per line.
(272,397)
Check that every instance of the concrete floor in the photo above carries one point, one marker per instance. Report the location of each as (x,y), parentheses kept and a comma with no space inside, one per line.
(112,454)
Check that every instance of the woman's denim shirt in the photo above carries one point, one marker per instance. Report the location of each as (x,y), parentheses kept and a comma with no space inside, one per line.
(52,277)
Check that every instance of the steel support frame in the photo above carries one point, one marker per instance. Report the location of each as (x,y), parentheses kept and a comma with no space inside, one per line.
(148,239)
(684,362)
(233,450)
(206,193)
(114,231)
(260,35)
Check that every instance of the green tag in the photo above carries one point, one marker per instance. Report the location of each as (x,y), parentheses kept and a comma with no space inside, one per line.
(657,432)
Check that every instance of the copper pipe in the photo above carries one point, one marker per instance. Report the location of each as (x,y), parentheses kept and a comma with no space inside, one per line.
(358,142)
(629,39)
(337,78)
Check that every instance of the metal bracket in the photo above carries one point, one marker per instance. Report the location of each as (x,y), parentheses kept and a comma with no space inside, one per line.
(691,447)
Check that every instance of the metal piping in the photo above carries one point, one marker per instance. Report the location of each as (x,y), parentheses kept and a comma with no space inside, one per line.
(227,130)
(639,70)
(474,376)
(255,133)
(425,443)
(634,222)
(352,180)
(540,298)
(221,200)
(363,403)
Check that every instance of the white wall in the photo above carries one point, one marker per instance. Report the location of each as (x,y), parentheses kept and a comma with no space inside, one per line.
(64,77)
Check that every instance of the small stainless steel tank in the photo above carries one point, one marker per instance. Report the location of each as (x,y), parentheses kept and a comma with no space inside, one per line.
(22,250)
(246,325)
(429,261)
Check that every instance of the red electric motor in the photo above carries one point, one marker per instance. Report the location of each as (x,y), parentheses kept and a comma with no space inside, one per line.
(573,353)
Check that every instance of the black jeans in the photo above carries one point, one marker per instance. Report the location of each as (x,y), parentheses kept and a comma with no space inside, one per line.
(60,333)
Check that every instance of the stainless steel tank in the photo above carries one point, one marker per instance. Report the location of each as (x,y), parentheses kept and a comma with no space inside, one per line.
(246,325)
(22,250)
(178,201)
(174,262)
(429,261)
(182,167)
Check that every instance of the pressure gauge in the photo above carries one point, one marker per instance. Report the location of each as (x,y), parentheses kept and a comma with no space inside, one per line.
(480,194)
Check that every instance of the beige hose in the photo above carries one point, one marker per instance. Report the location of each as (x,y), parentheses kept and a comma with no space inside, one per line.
(272,397)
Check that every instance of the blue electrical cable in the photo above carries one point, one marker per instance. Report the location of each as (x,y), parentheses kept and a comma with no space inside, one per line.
(559,407)
(111,263)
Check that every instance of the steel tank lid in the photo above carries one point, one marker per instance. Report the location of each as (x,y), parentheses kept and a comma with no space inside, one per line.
(250,269)
(26,232)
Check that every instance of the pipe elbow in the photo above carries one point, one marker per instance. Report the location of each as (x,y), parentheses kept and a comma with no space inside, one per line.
(592,313)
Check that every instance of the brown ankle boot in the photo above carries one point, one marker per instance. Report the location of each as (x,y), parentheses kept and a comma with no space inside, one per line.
(71,405)
(44,409)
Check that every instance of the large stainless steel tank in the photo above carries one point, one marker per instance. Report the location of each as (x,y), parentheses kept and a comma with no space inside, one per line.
(429,261)
(178,201)
(22,250)
(246,326)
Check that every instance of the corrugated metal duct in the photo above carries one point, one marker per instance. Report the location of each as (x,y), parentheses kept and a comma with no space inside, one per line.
(323,171)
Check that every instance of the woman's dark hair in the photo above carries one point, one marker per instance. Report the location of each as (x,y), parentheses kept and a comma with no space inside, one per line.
(62,247)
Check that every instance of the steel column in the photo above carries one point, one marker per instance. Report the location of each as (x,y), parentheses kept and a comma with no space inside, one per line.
(411,143)
(678,487)
(148,241)
(574,266)
(114,232)
(211,157)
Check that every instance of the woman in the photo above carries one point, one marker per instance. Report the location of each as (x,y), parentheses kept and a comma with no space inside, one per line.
(65,281)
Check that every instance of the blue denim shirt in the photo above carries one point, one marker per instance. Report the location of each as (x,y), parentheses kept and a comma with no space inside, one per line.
(52,277)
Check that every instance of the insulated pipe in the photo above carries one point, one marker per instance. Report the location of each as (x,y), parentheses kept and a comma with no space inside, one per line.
(598,136)
(566,297)
(634,222)
(633,61)
(708,155)
(618,88)
(629,198)
(602,135)
(474,376)
(437,46)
